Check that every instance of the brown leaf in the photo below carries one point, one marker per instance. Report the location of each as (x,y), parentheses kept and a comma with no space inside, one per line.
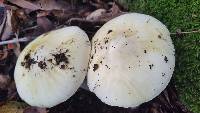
(17,49)
(21,14)
(12,91)
(123,4)
(52,4)
(166,96)
(44,23)
(63,15)
(94,16)
(41,4)
(35,110)
(2,20)
(25,4)
(2,14)
(13,107)
(43,13)
(6,26)
(6,32)
(154,110)
(163,101)
(99,4)
(85,11)
(108,15)
(3,96)
(4,81)
(3,54)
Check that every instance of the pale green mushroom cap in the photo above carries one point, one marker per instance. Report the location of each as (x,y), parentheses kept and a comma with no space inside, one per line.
(132,60)
(59,62)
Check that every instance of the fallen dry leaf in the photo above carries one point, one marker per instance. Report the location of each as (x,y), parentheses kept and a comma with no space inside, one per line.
(2,14)
(94,16)
(2,19)
(4,81)
(35,110)
(105,15)
(25,4)
(13,107)
(21,14)
(6,26)
(3,54)
(41,4)
(52,4)
(3,96)
(17,49)
(12,92)
(44,23)
(113,12)
(63,15)
(99,4)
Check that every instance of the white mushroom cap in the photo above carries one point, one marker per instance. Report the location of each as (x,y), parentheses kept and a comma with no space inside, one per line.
(52,67)
(132,60)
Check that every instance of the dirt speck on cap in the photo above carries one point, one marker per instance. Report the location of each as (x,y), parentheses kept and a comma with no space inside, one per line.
(95,67)
(28,61)
(106,41)
(109,31)
(159,36)
(150,66)
(60,57)
(166,60)
(42,65)
(49,60)
(62,67)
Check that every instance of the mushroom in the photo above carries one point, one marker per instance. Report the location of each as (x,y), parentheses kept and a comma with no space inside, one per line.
(132,60)
(52,67)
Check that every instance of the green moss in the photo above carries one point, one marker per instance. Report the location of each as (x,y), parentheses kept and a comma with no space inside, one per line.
(184,15)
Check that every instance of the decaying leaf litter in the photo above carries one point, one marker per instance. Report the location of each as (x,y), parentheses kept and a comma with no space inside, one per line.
(21,21)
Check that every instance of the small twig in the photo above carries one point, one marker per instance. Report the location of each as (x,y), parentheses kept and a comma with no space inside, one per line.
(189,32)
(17,50)
(30,28)
(15,40)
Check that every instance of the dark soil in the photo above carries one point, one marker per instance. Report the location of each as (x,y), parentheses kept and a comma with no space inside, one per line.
(95,67)
(86,102)
(28,61)
(60,57)
(42,65)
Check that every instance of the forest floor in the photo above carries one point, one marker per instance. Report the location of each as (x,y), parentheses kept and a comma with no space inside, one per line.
(32,18)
